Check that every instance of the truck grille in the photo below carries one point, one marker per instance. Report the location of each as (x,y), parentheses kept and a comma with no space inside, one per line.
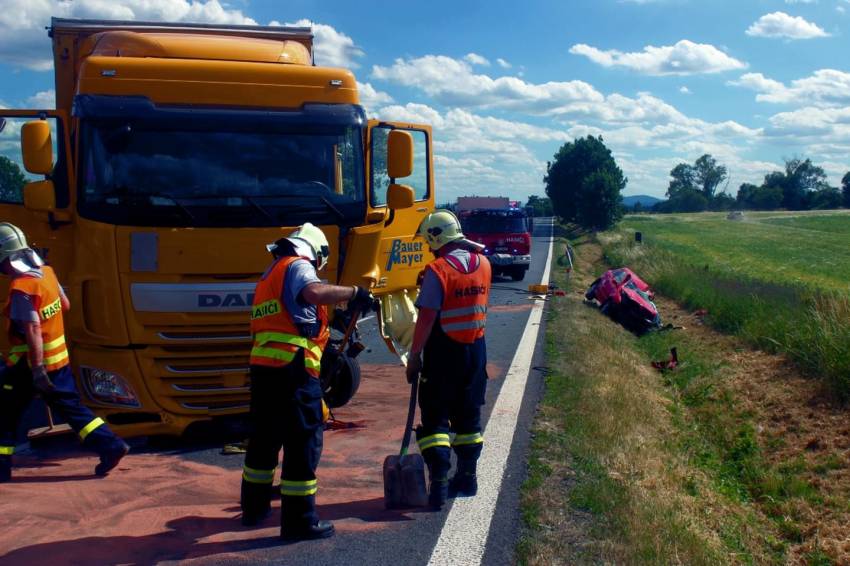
(199,375)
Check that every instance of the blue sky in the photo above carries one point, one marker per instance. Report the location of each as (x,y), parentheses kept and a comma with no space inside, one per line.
(505,84)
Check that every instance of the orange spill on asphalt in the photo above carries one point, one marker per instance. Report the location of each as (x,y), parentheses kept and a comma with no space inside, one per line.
(160,506)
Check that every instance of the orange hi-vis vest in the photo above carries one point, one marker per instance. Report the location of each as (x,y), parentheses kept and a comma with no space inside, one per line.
(466,291)
(46,299)
(276,337)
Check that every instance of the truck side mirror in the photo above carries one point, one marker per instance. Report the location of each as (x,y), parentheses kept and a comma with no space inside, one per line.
(40,196)
(399,154)
(2,124)
(37,147)
(399,196)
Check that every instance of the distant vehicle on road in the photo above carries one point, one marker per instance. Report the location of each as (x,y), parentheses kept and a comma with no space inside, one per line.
(506,233)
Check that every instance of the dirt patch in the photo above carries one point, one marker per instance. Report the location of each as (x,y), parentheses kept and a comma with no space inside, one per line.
(795,423)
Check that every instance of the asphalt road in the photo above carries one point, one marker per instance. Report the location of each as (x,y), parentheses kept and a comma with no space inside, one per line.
(188,493)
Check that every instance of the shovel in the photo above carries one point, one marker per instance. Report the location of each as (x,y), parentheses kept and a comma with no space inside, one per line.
(404,474)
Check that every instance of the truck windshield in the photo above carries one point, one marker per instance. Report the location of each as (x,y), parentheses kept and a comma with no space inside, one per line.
(493,224)
(233,170)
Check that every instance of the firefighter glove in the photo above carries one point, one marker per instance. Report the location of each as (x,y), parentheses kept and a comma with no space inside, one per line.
(414,367)
(362,301)
(41,380)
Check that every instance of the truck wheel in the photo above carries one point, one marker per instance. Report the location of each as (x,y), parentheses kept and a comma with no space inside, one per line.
(340,378)
(518,274)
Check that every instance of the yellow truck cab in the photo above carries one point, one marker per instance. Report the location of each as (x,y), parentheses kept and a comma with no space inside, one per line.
(174,155)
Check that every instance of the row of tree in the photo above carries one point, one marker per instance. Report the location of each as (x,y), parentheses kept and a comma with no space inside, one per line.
(802,185)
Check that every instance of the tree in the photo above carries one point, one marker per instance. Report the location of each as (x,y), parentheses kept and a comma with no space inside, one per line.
(766,197)
(708,175)
(585,183)
(825,198)
(12,181)
(800,178)
(540,206)
(845,189)
(602,205)
(683,179)
(688,200)
(722,201)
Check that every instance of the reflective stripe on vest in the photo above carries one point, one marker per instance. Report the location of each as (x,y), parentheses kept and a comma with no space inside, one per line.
(463,314)
(48,303)
(276,337)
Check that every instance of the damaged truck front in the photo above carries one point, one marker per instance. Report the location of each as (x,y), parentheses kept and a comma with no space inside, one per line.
(174,154)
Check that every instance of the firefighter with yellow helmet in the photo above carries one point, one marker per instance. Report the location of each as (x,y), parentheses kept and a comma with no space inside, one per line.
(289,328)
(38,360)
(450,333)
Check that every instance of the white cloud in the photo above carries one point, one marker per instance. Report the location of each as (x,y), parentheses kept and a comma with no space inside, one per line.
(476,59)
(24,43)
(331,48)
(825,87)
(801,1)
(371,98)
(453,82)
(502,63)
(780,24)
(684,90)
(42,100)
(683,58)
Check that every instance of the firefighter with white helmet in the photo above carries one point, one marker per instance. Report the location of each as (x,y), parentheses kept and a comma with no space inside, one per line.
(38,360)
(450,333)
(289,328)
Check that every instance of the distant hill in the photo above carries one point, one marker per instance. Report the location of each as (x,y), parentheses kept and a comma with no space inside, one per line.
(645,201)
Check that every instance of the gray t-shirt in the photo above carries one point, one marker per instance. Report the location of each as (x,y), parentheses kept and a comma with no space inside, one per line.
(299,274)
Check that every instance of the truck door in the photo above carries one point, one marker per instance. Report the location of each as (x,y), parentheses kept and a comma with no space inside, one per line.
(26,200)
(402,254)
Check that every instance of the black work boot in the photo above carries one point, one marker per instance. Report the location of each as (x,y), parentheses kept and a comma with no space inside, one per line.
(110,459)
(322,529)
(438,493)
(464,483)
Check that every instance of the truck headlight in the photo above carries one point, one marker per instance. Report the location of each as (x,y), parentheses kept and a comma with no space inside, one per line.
(107,387)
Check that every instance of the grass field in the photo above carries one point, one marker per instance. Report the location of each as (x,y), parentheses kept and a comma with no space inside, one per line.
(779,280)
(802,249)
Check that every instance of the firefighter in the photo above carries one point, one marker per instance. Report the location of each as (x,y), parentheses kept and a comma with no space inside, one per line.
(450,333)
(289,327)
(37,360)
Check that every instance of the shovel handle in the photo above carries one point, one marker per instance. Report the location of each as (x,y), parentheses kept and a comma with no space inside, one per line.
(411,412)
(348,331)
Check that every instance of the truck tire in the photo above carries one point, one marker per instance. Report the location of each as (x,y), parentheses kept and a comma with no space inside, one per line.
(518,273)
(340,378)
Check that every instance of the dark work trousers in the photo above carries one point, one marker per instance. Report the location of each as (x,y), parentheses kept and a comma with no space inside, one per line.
(16,393)
(286,410)
(451,393)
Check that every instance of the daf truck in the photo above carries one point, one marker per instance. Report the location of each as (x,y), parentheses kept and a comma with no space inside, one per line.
(175,153)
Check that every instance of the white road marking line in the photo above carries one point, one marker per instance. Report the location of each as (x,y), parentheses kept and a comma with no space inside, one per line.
(463,539)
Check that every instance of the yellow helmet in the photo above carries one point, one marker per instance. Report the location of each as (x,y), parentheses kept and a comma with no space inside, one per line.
(315,239)
(12,240)
(442,227)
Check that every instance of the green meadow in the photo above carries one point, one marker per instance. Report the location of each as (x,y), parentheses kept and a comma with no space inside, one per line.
(779,280)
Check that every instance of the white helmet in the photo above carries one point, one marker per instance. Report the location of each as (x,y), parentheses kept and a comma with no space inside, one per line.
(308,241)
(12,240)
